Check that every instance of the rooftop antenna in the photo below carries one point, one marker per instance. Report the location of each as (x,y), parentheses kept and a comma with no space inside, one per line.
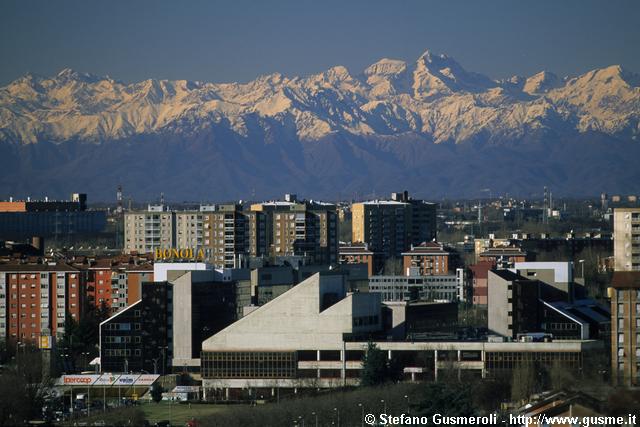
(119,199)
(162,198)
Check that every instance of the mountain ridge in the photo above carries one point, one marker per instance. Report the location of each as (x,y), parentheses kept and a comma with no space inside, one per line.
(376,122)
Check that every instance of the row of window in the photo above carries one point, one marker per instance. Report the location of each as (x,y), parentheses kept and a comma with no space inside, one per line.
(249,364)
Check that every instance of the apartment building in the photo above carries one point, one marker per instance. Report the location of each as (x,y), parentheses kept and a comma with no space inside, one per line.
(304,228)
(361,254)
(625,328)
(115,282)
(35,300)
(146,231)
(430,258)
(392,226)
(228,235)
(626,239)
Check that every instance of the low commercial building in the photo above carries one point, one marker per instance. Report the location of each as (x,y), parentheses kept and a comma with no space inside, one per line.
(20,220)
(315,336)
(443,288)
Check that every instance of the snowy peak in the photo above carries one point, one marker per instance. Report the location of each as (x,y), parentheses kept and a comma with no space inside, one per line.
(434,97)
(438,74)
(386,67)
(541,83)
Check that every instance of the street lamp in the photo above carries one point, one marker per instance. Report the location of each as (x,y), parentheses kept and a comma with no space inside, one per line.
(362,414)
(316,417)
(406,396)
(581,261)
(385,405)
(338,415)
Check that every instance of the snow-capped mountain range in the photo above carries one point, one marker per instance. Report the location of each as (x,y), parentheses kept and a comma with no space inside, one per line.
(373,114)
(434,97)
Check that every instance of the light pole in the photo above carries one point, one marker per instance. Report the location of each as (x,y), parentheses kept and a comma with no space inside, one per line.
(406,396)
(361,414)
(384,405)
(316,417)
(338,415)
(301,420)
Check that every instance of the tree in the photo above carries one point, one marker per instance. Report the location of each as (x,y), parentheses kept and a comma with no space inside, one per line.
(156,392)
(526,381)
(447,399)
(374,366)
(393,267)
(22,388)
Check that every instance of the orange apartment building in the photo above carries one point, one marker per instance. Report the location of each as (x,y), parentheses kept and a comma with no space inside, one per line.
(361,254)
(429,257)
(116,282)
(35,300)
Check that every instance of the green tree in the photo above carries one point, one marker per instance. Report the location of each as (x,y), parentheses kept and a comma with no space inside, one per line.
(448,399)
(156,392)
(526,380)
(22,388)
(374,366)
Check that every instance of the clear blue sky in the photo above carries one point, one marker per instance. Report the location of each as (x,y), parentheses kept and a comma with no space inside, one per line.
(239,40)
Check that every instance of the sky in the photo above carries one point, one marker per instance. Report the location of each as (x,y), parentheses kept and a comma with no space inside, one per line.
(220,41)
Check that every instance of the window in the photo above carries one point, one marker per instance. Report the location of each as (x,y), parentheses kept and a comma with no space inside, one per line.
(620,338)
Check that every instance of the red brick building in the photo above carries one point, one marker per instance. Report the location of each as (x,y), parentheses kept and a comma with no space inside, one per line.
(116,281)
(361,254)
(507,255)
(430,257)
(480,279)
(35,299)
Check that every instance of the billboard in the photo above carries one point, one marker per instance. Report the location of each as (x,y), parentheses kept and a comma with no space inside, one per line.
(106,379)
(146,379)
(77,380)
(126,380)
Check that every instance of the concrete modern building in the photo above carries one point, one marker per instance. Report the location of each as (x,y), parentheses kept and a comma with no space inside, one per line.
(524,305)
(164,330)
(317,315)
(315,335)
(557,274)
(392,226)
(512,304)
(625,328)
(626,237)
